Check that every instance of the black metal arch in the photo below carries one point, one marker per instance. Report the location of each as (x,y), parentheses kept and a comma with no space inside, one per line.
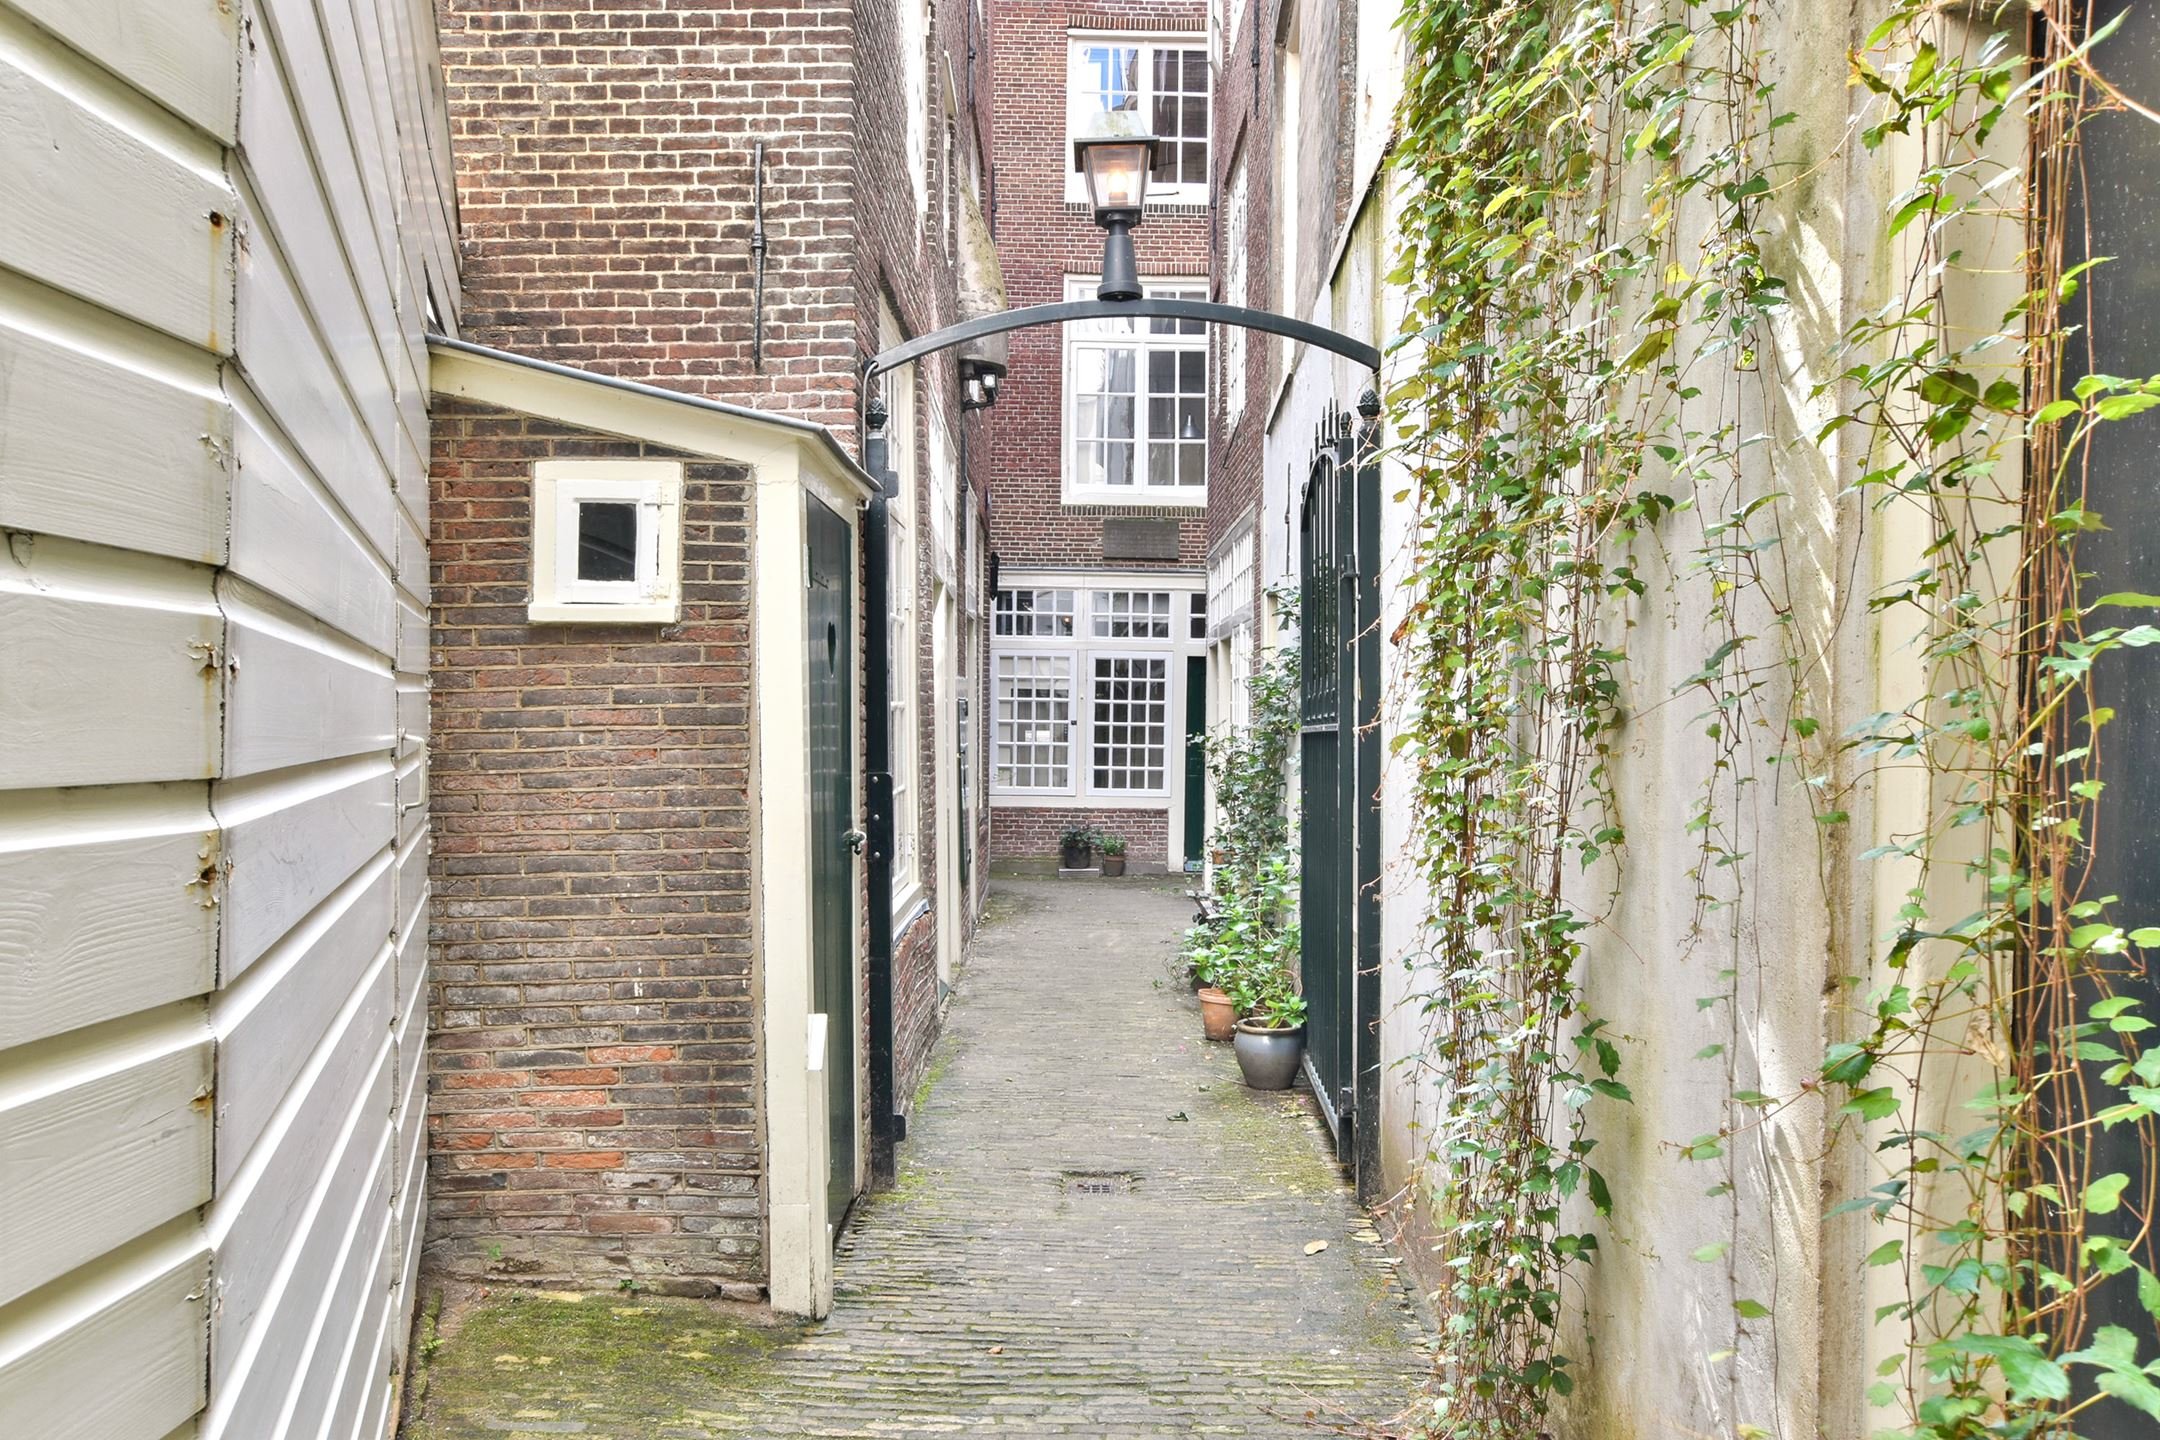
(1150,307)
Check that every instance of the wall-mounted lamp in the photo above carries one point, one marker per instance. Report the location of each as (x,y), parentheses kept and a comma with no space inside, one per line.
(982,370)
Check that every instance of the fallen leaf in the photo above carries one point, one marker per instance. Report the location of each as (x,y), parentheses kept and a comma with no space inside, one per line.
(1314,1247)
(997,1349)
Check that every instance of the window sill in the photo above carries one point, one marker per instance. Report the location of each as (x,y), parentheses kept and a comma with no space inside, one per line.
(1139,498)
(1051,800)
(555,612)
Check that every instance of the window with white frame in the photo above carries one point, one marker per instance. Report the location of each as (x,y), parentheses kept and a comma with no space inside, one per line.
(1131,615)
(901,618)
(1236,241)
(1160,83)
(1129,704)
(1032,714)
(1048,613)
(607,541)
(1085,711)
(1136,404)
(1230,581)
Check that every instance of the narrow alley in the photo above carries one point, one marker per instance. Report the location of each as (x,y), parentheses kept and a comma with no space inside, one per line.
(1097,1230)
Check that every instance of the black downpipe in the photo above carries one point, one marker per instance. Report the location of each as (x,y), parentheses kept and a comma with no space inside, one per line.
(877,792)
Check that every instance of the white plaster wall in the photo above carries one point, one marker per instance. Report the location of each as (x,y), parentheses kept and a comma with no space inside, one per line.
(1663,1350)
(222,222)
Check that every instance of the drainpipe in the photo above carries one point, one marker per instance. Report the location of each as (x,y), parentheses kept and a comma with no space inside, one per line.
(757,256)
(877,790)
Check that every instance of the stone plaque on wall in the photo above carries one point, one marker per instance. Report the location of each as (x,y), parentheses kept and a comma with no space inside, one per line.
(1140,539)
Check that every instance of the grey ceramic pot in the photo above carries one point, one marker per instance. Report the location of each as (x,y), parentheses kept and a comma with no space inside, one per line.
(1269,1058)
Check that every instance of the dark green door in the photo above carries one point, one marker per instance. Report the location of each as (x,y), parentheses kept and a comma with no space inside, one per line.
(1195,758)
(832,814)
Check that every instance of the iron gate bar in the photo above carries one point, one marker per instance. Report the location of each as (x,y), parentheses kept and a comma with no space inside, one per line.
(1152,307)
(1366,466)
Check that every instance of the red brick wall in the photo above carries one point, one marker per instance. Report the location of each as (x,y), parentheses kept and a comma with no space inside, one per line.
(1034,834)
(604,155)
(1041,239)
(594,1052)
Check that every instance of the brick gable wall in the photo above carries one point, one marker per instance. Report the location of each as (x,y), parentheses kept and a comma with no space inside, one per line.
(1042,239)
(594,1057)
(604,156)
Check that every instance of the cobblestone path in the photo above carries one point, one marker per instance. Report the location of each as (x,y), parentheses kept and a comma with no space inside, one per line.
(1097,1231)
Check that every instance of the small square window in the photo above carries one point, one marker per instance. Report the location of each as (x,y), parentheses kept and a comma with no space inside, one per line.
(607,541)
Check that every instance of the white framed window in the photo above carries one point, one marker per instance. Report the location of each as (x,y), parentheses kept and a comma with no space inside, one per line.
(902,627)
(1230,583)
(607,542)
(1237,243)
(1031,699)
(1161,83)
(1136,404)
(1048,613)
(1129,723)
(1131,615)
(1086,684)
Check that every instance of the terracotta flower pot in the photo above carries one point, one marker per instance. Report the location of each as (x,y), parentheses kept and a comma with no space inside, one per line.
(1218,1021)
(1113,865)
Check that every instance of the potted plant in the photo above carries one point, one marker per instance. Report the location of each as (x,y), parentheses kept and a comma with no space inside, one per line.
(1271,1036)
(1113,854)
(1074,847)
(1212,967)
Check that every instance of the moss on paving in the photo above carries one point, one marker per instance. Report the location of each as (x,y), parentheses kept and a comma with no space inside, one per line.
(608,1367)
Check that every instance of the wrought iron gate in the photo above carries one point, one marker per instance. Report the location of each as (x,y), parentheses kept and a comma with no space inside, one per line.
(1339,778)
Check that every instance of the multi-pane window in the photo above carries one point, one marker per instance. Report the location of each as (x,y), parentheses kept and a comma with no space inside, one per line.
(1158,87)
(1236,242)
(1130,730)
(1136,404)
(1032,721)
(1131,615)
(1048,613)
(1086,709)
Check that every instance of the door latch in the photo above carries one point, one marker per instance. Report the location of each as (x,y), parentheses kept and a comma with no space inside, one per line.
(856,839)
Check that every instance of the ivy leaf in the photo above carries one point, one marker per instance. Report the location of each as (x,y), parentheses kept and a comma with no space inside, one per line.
(1600,1196)
(1751,1309)
(1887,1253)
(2120,407)
(2104,1195)
(2026,1368)
(2148,1292)
(1715,1250)
(1877,1104)
(2128,597)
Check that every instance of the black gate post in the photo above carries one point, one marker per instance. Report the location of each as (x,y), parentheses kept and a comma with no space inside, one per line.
(877,794)
(1366,565)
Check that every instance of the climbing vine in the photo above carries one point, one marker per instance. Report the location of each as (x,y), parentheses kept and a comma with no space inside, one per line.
(1593,198)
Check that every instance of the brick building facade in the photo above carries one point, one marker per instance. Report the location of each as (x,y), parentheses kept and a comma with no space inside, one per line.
(1050,532)
(590,868)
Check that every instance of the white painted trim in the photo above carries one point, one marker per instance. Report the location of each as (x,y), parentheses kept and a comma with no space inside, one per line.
(795,1080)
(1138,494)
(656,488)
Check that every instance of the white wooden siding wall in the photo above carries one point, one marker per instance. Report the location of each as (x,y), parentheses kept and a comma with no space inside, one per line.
(220,225)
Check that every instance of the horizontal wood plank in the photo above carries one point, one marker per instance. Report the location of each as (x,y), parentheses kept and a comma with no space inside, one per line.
(136,1106)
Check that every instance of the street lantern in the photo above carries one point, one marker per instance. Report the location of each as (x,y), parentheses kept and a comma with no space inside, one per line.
(1116,167)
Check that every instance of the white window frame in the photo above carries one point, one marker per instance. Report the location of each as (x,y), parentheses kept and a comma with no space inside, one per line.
(1077,654)
(1172,734)
(903,632)
(654,595)
(1077,43)
(1126,333)
(1068,660)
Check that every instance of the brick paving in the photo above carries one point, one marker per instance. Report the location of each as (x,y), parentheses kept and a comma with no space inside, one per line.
(1097,1231)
